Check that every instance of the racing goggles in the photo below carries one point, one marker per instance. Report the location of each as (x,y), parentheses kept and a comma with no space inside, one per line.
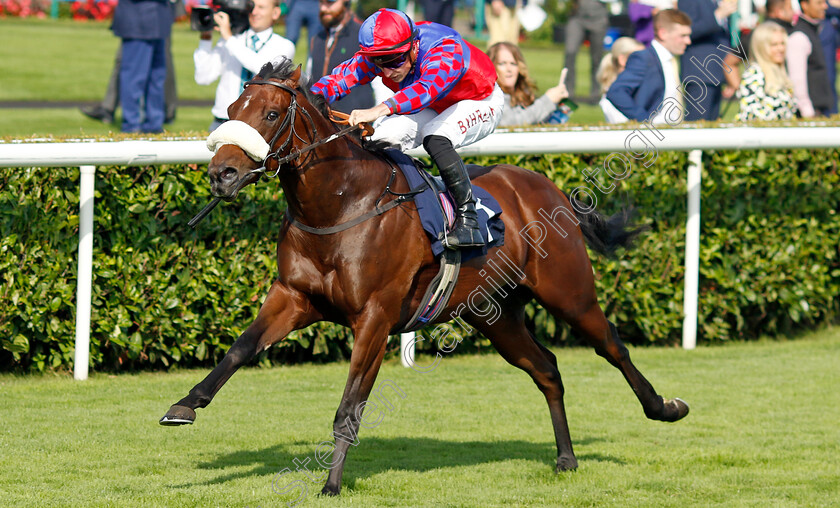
(390,61)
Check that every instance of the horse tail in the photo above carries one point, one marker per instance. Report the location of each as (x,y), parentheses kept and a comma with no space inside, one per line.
(605,234)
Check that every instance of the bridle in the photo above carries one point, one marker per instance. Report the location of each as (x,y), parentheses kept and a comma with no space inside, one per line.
(289,122)
(399,198)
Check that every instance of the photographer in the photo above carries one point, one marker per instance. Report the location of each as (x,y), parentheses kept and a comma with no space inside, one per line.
(236,58)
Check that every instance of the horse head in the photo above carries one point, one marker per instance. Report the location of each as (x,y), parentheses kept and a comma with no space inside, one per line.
(268,121)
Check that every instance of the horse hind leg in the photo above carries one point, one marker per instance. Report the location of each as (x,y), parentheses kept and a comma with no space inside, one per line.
(601,334)
(670,410)
(515,343)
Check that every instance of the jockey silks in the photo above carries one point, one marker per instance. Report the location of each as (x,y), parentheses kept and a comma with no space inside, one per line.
(448,70)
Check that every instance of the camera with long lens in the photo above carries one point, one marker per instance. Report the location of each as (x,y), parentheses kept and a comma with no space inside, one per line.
(201,17)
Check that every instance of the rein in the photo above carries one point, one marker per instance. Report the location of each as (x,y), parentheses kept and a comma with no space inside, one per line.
(399,198)
(289,121)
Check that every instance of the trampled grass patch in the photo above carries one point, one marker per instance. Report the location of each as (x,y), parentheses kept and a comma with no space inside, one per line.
(474,432)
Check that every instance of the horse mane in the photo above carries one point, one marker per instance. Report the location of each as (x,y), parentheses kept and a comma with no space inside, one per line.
(283,69)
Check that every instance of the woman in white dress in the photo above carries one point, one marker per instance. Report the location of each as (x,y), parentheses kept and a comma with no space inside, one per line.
(766,91)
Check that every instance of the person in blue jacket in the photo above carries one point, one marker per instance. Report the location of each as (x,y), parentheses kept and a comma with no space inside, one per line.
(650,75)
(830,39)
(703,60)
(143,26)
(301,12)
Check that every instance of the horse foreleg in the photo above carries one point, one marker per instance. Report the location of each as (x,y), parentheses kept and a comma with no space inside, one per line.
(368,351)
(284,310)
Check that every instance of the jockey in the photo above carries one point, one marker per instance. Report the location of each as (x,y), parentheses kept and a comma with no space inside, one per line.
(446,97)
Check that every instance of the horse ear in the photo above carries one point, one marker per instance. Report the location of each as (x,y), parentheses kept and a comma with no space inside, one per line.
(296,75)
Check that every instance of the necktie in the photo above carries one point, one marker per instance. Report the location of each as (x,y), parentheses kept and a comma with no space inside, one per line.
(675,71)
(246,74)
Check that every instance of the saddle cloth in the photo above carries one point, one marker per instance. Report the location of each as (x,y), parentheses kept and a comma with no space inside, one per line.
(437,210)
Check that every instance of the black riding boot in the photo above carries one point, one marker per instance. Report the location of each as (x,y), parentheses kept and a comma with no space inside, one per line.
(465,232)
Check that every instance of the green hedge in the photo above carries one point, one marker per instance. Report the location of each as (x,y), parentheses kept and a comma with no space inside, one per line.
(769,245)
(165,295)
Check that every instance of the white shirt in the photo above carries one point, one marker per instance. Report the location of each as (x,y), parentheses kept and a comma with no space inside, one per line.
(671,81)
(611,113)
(798,50)
(226,60)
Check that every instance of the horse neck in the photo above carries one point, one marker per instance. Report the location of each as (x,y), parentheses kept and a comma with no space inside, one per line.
(333,182)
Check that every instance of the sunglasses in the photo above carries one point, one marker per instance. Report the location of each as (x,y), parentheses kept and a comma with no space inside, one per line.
(390,61)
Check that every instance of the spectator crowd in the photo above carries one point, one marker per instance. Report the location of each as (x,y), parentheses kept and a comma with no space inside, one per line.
(656,61)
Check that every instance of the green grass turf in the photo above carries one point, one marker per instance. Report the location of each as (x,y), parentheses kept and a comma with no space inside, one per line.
(763,431)
(72,61)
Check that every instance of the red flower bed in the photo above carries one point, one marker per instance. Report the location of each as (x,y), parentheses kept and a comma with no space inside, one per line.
(80,9)
(93,9)
(24,8)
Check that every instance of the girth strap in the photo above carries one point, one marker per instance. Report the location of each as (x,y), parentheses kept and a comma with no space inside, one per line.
(438,293)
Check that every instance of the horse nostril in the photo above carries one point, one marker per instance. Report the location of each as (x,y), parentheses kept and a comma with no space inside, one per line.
(229,174)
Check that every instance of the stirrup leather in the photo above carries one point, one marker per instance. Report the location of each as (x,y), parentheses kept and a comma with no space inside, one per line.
(465,231)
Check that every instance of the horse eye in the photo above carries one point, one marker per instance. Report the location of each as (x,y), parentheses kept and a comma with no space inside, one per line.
(271,116)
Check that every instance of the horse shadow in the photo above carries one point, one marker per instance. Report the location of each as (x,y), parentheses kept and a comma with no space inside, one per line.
(376,455)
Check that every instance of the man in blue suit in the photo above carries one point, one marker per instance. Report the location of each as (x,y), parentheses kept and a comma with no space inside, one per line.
(143,26)
(647,88)
(703,68)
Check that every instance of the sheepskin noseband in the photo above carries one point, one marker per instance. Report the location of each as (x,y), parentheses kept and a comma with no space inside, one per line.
(235,132)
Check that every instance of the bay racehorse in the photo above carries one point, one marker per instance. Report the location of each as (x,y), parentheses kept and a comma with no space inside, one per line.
(372,276)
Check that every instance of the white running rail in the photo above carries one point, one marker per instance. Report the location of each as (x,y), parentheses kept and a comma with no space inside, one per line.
(89,154)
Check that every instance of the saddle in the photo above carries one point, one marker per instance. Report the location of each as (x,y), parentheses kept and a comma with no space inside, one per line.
(437,210)
(437,213)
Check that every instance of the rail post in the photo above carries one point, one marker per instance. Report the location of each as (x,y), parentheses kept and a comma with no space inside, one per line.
(85,273)
(692,250)
(407,349)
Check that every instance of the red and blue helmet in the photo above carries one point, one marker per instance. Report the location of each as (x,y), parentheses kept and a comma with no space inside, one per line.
(386,32)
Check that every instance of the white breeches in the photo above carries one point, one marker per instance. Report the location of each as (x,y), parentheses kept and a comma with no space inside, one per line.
(463,123)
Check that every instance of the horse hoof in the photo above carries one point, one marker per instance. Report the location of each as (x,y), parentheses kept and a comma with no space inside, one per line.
(178,415)
(329,491)
(676,409)
(566,464)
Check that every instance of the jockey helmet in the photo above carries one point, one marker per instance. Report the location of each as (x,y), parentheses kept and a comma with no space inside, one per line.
(386,32)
